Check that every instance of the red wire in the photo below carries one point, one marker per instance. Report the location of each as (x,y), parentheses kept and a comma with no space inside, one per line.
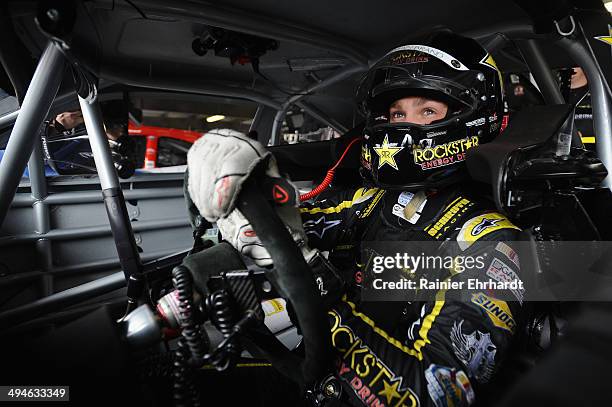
(329,177)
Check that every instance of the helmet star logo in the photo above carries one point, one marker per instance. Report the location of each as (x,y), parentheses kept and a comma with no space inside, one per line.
(490,62)
(606,39)
(386,153)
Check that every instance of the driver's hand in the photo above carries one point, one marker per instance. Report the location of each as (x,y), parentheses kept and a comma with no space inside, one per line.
(69,120)
(219,162)
(237,230)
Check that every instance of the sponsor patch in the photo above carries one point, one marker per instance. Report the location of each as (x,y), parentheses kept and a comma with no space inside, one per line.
(480,226)
(443,154)
(435,134)
(404,198)
(500,271)
(451,214)
(448,387)
(386,153)
(477,122)
(476,351)
(509,253)
(497,311)
(441,55)
(409,57)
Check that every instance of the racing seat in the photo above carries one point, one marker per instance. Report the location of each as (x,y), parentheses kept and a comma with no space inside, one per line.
(551,198)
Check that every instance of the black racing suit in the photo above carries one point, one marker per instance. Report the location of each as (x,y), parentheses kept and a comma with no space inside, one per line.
(427,353)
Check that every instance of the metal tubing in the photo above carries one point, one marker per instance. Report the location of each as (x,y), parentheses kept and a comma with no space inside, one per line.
(42,224)
(330,80)
(58,317)
(92,116)
(62,198)
(81,268)
(8,119)
(37,102)
(63,299)
(541,72)
(188,85)
(116,209)
(249,23)
(262,123)
(93,231)
(322,117)
(600,100)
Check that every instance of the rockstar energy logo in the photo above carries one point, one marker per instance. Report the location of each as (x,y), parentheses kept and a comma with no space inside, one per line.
(450,216)
(371,380)
(497,310)
(409,57)
(443,154)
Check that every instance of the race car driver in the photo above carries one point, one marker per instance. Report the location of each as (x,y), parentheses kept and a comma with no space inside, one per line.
(426,105)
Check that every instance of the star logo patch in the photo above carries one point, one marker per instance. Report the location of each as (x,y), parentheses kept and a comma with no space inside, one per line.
(320,226)
(386,153)
(484,224)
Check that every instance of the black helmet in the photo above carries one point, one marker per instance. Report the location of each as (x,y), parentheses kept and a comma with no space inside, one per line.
(447,68)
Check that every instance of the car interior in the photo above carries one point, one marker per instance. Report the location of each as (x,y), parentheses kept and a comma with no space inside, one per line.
(87,255)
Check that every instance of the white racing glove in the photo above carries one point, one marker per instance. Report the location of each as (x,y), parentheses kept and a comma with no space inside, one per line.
(219,162)
(237,230)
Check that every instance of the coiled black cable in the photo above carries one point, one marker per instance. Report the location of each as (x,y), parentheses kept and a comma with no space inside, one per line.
(219,305)
(191,331)
(192,345)
(185,393)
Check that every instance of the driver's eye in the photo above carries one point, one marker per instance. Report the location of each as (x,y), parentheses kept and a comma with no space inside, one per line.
(397,115)
(429,112)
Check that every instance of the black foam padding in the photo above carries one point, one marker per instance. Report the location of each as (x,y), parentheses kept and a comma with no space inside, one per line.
(212,261)
(310,161)
(530,127)
(575,372)
(544,12)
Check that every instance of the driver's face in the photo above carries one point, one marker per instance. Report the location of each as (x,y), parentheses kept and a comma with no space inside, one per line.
(417,110)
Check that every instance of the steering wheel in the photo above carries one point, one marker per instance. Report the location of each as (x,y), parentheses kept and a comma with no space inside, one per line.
(292,277)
